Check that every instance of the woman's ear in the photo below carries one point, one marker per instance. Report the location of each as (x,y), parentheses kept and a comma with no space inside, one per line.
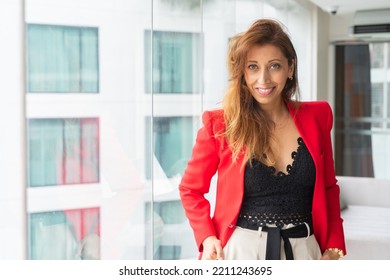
(291,68)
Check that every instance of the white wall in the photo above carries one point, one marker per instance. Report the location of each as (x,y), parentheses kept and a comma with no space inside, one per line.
(12,140)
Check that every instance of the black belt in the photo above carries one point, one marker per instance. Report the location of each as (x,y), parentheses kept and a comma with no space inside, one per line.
(276,234)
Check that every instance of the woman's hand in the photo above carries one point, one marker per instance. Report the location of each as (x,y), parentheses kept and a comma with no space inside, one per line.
(212,249)
(330,255)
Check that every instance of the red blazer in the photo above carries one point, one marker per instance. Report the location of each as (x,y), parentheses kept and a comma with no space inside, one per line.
(211,155)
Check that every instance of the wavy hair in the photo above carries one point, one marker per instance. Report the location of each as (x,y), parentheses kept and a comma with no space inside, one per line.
(248,129)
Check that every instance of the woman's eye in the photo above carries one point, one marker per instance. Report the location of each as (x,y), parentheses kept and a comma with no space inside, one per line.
(252,67)
(275,66)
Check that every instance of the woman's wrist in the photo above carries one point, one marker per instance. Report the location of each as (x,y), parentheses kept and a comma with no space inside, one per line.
(336,250)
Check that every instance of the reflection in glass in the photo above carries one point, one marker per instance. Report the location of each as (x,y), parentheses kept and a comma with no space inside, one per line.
(95,142)
(62,59)
(173,137)
(173,50)
(172,143)
(176,67)
(63,151)
(65,235)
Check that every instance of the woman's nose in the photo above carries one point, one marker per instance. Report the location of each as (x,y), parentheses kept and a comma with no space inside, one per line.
(263,77)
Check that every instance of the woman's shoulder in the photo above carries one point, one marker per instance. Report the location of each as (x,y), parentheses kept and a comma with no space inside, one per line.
(320,107)
(216,115)
(316,110)
(214,120)
(315,105)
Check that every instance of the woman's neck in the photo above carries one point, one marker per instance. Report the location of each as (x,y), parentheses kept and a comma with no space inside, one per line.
(278,113)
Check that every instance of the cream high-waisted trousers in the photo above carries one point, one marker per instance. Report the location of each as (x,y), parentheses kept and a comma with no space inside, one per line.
(247,244)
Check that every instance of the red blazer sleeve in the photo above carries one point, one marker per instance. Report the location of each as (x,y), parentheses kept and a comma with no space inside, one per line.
(196,180)
(335,229)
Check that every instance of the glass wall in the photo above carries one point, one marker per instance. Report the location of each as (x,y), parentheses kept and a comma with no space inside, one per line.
(363,110)
(114,92)
(87,119)
(64,235)
(175,62)
(76,67)
(63,151)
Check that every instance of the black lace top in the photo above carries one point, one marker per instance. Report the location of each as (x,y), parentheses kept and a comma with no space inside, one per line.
(279,199)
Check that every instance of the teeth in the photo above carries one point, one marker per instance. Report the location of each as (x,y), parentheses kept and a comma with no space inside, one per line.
(264,91)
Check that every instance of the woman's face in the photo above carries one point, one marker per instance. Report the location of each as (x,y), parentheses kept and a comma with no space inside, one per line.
(266,73)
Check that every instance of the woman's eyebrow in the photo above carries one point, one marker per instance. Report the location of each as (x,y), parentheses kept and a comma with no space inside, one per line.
(255,61)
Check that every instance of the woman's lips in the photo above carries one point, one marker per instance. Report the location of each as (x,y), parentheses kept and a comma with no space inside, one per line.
(264,91)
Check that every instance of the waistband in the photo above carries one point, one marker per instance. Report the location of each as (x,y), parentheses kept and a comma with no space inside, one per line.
(276,234)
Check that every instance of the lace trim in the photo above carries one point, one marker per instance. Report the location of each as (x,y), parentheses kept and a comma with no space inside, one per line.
(261,220)
(291,166)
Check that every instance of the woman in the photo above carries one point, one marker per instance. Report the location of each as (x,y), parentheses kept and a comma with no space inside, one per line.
(277,196)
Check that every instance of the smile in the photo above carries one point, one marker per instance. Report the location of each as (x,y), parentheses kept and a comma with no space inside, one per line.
(264,91)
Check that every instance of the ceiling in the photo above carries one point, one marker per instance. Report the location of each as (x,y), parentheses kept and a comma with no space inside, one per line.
(350,6)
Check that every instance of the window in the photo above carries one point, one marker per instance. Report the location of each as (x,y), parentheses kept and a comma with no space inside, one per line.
(65,235)
(169,219)
(62,59)
(173,138)
(63,151)
(175,58)
(362,110)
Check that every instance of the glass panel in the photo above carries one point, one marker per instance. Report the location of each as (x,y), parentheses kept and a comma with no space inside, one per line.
(178,26)
(169,219)
(63,151)
(362,119)
(172,141)
(93,143)
(175,62)
(89,148)
(130,162)
(45,143)
(173,134)
(62,59)
(65,235)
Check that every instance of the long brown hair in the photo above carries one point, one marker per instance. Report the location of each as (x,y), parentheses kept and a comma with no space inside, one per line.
(248,128)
